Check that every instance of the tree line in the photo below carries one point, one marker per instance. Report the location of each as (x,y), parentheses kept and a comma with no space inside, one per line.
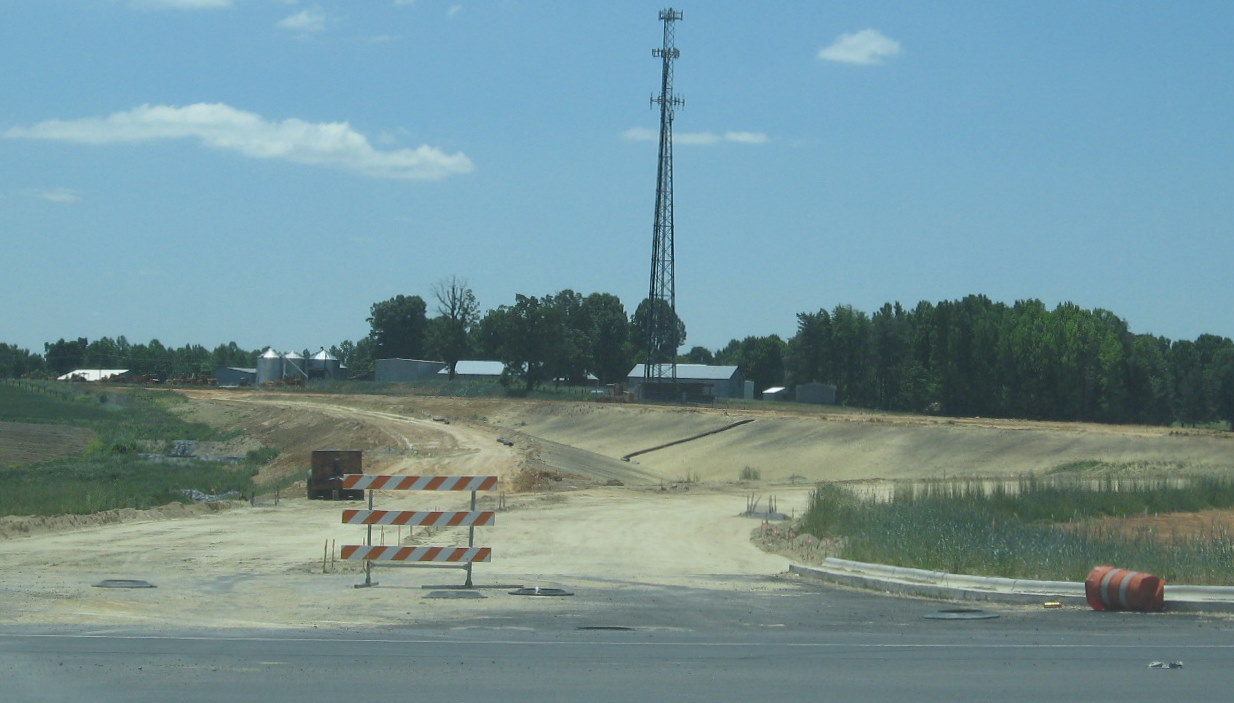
(564,337)
(971,356)
(977,357)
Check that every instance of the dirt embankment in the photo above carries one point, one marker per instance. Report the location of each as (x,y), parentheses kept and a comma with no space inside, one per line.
(848,446)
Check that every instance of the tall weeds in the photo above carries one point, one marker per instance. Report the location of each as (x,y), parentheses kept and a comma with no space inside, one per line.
(1030,529)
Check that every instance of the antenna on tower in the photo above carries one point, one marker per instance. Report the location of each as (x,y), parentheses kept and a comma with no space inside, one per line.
(661,320)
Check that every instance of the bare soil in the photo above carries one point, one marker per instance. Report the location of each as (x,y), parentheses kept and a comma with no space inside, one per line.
(571,512)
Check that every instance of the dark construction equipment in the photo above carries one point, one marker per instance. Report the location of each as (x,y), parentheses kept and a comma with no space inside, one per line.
(325,479)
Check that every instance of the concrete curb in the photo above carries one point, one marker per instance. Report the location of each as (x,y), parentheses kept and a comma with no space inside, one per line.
(960,587)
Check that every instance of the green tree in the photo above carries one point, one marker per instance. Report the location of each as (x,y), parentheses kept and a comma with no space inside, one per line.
(16,362)
(760,359)
(891,335)
(573,358)
(398,327)
(810,352)
(672,331)
(1148,387)
(699,355)
(231,354)
(528,338)
(1187,379)
(850,331)
(64,356)
(608,328)
(1221,383)
(106,353)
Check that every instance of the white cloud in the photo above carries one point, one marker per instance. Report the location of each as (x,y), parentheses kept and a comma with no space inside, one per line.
(644,134)
(218,126)
(639,134)
(454,10)
(181,4)
(867,47)
(57,195)
(746,137)
(307,21)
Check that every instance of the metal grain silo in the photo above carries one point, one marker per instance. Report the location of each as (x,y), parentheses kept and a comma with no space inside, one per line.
(293,366)
(269,367)
(323,365)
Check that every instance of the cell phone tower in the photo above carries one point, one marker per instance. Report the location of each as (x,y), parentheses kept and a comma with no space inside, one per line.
(661,320)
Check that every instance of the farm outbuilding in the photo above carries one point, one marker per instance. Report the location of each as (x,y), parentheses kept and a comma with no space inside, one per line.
(94,375)
(818,393)
(405,370)
(231,376)
(698,382)
(475,370)
(776,393)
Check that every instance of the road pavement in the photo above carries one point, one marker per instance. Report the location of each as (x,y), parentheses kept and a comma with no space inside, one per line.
(629,642)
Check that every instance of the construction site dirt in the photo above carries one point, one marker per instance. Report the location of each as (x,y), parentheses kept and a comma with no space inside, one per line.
(571,513)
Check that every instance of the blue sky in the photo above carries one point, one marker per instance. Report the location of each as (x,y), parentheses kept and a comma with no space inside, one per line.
(262,171)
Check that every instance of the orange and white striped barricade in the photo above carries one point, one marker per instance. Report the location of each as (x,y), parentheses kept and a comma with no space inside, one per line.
(427,518)
(374,482)
(462,557)
(438,555)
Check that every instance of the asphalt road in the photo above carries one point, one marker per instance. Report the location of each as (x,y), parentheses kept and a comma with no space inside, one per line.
(805,642)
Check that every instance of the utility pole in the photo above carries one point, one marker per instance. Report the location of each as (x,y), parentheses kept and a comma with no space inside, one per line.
(661,332)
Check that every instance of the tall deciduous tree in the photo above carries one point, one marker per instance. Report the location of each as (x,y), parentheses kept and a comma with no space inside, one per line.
(64,356)
(16,362)
(611,355)
(531,335)
(449,332)
(398,327)
(760,359)
(671,328)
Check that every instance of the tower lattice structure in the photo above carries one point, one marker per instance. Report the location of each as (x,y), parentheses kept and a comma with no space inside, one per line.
(661,320)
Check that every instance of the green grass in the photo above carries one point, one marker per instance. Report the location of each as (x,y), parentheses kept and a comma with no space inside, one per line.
(110,474)
(50,403)
(1032,529)
(83,486)
(127,412)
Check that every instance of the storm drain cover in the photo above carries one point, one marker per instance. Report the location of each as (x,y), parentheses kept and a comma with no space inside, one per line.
(961,614)
(123,583)
(454,594)
(539,591)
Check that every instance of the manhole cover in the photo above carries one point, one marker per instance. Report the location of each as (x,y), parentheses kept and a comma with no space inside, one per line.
(123,583)
(605,627)
(961,614)
(454,594)
(538,591)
